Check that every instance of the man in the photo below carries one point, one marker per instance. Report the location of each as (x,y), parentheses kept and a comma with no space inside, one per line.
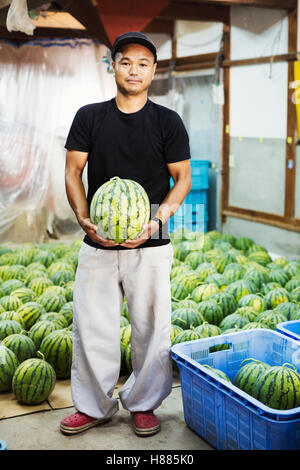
(130,137)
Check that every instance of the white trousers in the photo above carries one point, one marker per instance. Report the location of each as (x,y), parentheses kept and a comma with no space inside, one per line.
(102,279)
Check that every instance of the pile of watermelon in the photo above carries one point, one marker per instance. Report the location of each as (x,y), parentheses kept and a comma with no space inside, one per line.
(219,283)
(36,314)
(277,387)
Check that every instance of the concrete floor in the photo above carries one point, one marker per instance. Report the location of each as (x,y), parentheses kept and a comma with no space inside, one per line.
(40,431)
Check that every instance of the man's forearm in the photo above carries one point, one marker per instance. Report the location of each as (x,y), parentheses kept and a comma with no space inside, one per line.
(76,195)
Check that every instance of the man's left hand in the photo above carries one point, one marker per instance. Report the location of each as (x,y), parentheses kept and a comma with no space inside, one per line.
(149,229)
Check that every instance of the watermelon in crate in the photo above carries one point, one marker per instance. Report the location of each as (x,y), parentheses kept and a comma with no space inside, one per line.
(246,376)
(120,208)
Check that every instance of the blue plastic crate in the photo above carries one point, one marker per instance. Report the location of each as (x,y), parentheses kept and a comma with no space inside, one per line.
(199,174)
(289,328)
(221,413)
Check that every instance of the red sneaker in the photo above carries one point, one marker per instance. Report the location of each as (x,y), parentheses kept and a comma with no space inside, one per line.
(79,422)
(145,423)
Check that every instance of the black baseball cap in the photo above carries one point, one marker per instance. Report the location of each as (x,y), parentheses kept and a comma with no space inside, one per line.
(130,38)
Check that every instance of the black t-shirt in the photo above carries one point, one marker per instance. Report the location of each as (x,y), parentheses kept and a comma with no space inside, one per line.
(136,146)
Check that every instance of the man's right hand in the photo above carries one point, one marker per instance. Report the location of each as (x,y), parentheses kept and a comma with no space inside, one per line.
(91,229)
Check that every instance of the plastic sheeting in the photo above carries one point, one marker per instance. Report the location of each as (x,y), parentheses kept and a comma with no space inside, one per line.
(42,85)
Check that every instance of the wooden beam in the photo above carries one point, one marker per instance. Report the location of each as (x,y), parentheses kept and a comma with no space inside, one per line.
(278,4)
(263,218)
(195,12)
(18,37)
(224,193)
(87,14)
(290,57)
(290,167)
(194,62)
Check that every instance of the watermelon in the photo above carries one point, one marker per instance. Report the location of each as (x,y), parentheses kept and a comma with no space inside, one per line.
(175,330)
(206,330)
(211,311)
(218,372)
(218,279)
(279,275)
(255,324)
(40,284)
(10,302)
(25,294)
(125,335)
(288,309)
(226,301)
(189,303)
(45,258)
(186,317)
(67,312)
(248,312)
(51,301)
(56,317)
(278,387)
(57,349)
(7,287)
(190,279)
(253,300)
(61,278)
(30,312)
(220,262)
(266,288)
(128,358)
(178,290)
(243,243)
(250,369)
(232,320)
(9,327)
(292,268)
(177,270)
(292,284)
(23,346)
(195,258)
(189,334)
(271,318)
(33,381)
(8,364)
(40,330)
(13,316)
(120,208)
(276,297)
(204,292)
(204,270)
(240,288)
(261,257)
(295,294)
(256,275)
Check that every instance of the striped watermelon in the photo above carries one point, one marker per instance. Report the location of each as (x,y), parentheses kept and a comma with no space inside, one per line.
(195,258)
(125,311)
(232,320)
(271,318)
(40,284)
(12,316)
(190,279)
(288,309)
(255,324)
(33,381)
(33,274)
(295,294)
(218,372)
(67,312)
(128,358)
(204,292)
(253,300)
(218,279)
(10,302)
(243,243)
(51,301)
(69,289)
(206,330)
(250,369)
(292,268)
(220,262)
(61,278)
(255,247)
(186,335)
(9,327)
(40,330)
(45,257)
(226,301)
(279,275)
(292,284)
(30,312)
(175,330)
(120,208)
(25,294)
(57,349)
(177,270)
(256,275)
(60,265)
(58,290)
(186,318)
(189,303)
(278,387)
(204,270)
(7,287)
(261,257)
(56,317)
(123,322)
(180,251)
(125,335)
(276,297)
(266,288)
(211,311)
(248,312)
(178,290)
(240,288)
(20,344)
(8,364)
